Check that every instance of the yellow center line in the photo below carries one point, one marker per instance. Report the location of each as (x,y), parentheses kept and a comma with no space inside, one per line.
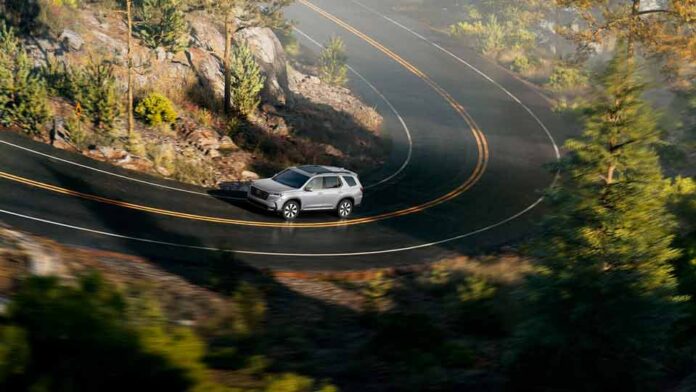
(481,162)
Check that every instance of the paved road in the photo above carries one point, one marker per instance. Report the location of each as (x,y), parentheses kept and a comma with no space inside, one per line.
(465,174)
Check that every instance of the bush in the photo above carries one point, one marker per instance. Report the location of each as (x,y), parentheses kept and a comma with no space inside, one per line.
(163,24)
(193,171)
(156,109)
(521,64)
(565,77)
(247,80)
(162,155)
(23,94)
(87,330)
(94,89)
(493,36)
(76,128)
(332,63)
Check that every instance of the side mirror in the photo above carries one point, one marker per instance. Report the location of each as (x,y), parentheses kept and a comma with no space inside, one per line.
(308,188)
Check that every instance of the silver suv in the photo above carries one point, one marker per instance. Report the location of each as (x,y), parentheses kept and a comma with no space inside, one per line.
(308,188)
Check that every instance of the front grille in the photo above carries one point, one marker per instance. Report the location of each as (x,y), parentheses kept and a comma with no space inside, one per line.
(259,193)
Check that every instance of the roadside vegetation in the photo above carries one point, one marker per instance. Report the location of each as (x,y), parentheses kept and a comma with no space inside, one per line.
(332,63)
(113,79)
(603,298)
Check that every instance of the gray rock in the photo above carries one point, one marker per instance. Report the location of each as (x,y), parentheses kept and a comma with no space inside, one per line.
(71,40)
(208,68)
(206,36)
(271,57)
(249,175)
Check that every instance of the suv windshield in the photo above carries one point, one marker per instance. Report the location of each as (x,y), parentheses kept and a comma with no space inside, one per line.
(291,178)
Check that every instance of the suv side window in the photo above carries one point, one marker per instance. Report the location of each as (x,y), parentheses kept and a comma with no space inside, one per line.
(315,184)
(350,181)
(332,182)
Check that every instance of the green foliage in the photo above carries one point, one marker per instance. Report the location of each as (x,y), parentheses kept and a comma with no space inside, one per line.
(566,77)
(247,80)
(162,155)
(156,109)
(250,310)
(492,36)
(23,94)
(332,63)
(604,299)
(193,171)
(75,126)
(162,24)
(521,64)
(135,144)
(94,88)
(290,382)
(82,338)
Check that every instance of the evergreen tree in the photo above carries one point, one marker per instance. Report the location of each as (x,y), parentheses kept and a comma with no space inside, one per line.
(332,63)
(247,80)
(163,24)
(604,299)
(23,94)
(95,89)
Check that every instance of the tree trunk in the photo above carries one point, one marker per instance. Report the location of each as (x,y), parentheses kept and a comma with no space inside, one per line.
(131,121)
(226,65)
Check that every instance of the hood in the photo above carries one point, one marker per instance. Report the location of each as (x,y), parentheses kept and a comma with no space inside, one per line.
(268,185)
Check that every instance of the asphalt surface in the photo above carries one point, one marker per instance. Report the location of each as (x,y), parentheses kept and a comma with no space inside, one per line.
(470,142)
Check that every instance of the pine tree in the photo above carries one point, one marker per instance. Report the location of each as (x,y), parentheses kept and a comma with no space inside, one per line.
(163,24)
(604,298)
(333,69)
(23,93)
(247,80)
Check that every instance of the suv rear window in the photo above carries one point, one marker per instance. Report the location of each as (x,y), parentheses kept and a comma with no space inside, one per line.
(332,182)
(350,181)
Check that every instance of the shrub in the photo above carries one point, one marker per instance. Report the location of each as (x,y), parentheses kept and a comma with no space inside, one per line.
(88,329)
(95,89)
(163,24)
(135,144)
(493,36)
(521,64)
(332,63)
(193,171)
(565,77)
(156,109)
(247,80)
(76,127)
(162,155)
(23,94)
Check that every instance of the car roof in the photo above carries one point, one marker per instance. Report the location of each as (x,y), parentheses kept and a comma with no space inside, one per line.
(312,170)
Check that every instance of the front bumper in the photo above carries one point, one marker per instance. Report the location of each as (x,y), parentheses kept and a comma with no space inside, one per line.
(268,204)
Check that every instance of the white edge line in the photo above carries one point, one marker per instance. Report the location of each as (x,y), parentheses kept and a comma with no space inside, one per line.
(478,71)
(391,107)
(395,250)
(254,253)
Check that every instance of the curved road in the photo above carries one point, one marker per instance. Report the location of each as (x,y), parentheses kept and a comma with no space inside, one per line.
(469,144)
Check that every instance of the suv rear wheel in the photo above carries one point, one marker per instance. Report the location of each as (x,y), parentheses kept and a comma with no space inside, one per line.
(290,210)
(345,208)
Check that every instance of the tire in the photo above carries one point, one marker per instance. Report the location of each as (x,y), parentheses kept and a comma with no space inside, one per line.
(290,210)
(344,208)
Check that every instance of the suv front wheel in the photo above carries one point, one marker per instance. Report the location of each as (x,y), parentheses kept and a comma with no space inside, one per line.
(290,210)
(345,208)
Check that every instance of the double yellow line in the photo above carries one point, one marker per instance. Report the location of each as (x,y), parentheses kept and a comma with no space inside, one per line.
(481,162)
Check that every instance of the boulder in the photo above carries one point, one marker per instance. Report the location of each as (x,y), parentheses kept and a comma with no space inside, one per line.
(226,143)
(249,175)
(271,57)
(71,40)
(206,36)
(208,70)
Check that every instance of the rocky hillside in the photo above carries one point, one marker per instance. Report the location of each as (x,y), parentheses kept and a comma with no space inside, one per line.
(300,119)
